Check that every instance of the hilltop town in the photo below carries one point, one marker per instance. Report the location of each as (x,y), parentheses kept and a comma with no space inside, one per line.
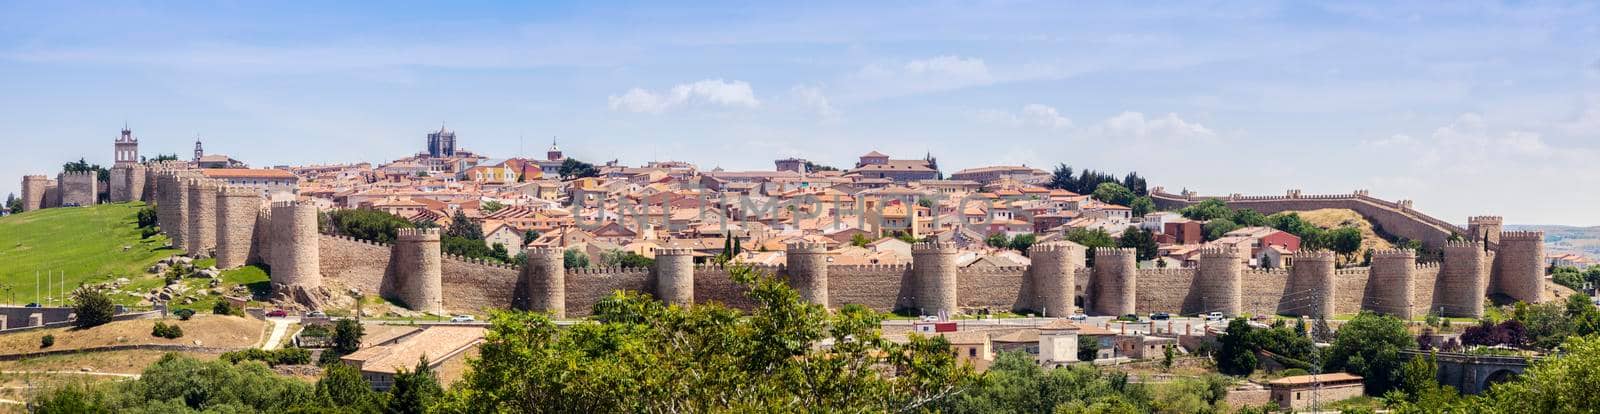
(1067,266)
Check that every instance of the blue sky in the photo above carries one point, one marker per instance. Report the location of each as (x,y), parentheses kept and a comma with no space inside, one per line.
(1465,107)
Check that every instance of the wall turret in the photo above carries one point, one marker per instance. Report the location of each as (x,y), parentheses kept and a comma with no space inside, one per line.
(1054,276)
(1115,281)
(1311,285)
(237,209)
(127,182)
(202,234)
(416,274)
(933,264)
(1485,229)
(33,189)
(545,278)
(675,276)
(179,230)
(1463,280)
(261,247)
(1519,266)
(79,188)
(296,261)
(808,271)
(1392,285)
(1221,269)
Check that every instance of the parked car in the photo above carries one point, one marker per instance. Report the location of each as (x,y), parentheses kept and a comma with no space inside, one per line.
(32,305)
(1129,318)
(1160,316)
(462,318)
(1078,317)
(316,314)
(277,313)
(1214,317)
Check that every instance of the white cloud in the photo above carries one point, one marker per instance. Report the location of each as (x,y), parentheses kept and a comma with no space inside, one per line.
(953,66)
(1392,140)
(1134,125)
(709,91)
(811,97)
(939,73)
(1031,115)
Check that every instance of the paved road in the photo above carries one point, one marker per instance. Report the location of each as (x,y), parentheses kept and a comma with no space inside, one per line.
(106,374)
(279,327)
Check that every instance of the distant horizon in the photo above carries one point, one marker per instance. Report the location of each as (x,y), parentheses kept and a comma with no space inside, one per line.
(1482,108)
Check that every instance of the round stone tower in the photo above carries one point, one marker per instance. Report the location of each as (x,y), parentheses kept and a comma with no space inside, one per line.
(1463,280)
(1393,282)
(545,276)
(675,276)
(296,262)
(418,271)
(163,200)
(1221,269)
(261,251)
(1519,265)
(179,231)
(33,188)
(1485,229)
(202,234)
(1116,281)
(808,271)
(237,208)
(127,182)
(934,266)
(1312,291)
(1055,276)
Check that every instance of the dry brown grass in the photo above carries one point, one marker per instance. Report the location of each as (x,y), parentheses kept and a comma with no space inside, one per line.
(1332,218)
(208,330)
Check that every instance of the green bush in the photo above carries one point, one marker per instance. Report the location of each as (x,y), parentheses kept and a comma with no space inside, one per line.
(47,341)
(285,356)
(162,330)
(93,306)
(147,232)
(184,314)
(1293,372)
(223,308)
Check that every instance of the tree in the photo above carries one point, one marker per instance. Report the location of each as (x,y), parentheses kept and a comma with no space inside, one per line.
(619,258)
(574,259)
(13,204)
(1142,205)
(1091,239)
(368,224)
(1113,193)
(1207,210)
(1216,228)
(181,384)
(1236,357)
(997,240)
(1022,242)
(1167,357)
(1088,348)
(1568,383)
(860,240)
(347,336)
(223,307)
(341,385)
(93,307)
(1062,179)
(491,206)
(1141,240)
(1133,182)
(414,391)
(574,169)
(1343,240)
(101,173)
(636,354)
(463,227)
(1016,383)
(147,217)
(1370,346)
(529,236)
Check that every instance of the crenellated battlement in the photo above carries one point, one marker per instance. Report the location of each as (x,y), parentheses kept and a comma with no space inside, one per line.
(1352,271)
(1428,265)
(1489,220)
(806,247)
(35,178)
(417,234)
(993,270)
(238,191)
(1307,255)
(1521,236)
(75,174)
(479,262)
(608,271)
(1394,254)
(1115,252)
(870,267)
(1055,247)
(1277,273)
(933,247)
(1220,252)
(1462,245)
(545,251)
(674,251)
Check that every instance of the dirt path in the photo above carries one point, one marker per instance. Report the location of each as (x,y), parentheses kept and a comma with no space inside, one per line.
(279,327)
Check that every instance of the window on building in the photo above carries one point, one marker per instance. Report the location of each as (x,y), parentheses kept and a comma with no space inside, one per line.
(972,352)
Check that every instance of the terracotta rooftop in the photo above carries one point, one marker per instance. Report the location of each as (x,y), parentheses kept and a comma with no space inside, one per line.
(246,173)
(436,343)
(1308,379)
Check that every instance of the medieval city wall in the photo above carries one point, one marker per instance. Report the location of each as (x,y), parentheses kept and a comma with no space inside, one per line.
(1395,218)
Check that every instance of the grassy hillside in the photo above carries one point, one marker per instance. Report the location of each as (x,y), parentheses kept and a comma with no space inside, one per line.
(89,244)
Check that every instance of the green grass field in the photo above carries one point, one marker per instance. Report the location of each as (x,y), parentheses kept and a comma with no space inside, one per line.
(87,244)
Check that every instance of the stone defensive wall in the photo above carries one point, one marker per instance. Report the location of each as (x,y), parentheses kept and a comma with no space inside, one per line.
(307,264)
(1394,217)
